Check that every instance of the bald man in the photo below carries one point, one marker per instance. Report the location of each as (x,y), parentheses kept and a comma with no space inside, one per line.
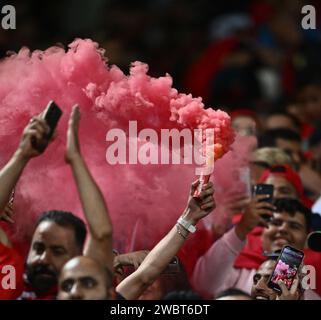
(83,278)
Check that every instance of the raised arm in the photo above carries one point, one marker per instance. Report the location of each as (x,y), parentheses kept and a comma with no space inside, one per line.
(99,244)
(33,134)
(162,254)
(10,173)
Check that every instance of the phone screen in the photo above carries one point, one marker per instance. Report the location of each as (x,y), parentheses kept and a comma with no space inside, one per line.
(286,267)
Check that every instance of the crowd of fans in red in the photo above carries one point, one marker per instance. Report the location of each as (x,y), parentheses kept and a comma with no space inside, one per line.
(265,70)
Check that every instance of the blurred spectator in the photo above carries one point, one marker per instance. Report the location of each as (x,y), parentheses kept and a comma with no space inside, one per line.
(282,120)
(245,122)
(264,158)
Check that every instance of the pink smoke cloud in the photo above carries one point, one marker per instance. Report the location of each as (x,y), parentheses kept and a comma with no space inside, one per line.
(146,199)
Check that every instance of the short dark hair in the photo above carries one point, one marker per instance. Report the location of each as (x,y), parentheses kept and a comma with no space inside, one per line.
(232,292)
(269,137)
(292,206)
(66,219)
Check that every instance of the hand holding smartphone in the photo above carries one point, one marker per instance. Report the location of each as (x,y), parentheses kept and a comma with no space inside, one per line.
(51,115)
(286,268)
(264,189)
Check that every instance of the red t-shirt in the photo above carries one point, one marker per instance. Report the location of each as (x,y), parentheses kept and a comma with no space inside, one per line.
(10,258)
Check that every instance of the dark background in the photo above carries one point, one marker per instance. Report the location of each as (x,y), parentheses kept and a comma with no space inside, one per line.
(178,36)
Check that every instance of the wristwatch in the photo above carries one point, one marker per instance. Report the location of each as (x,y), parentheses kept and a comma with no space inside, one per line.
(186,225)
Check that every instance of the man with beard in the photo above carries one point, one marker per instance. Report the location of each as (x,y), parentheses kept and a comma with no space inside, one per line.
(59,236)
(289,225)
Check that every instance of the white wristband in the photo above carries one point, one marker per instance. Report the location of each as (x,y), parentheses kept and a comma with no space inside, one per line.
(186,225)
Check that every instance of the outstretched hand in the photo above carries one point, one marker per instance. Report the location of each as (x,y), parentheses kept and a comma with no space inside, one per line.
(200,207)
(253,215)
(72,148)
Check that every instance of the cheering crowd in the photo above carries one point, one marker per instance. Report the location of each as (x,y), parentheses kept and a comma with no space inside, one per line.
(65,262)
(265,72)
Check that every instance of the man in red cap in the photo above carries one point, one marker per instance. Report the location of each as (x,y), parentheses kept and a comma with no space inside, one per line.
(286,182)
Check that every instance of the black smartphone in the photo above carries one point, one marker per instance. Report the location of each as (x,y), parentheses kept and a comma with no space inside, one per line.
(52,115)
(286,268)
(263,188)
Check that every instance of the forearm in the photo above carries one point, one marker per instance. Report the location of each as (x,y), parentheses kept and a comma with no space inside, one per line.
(92,201)
(153,265)
(163,253)
(9,175)
(242,230)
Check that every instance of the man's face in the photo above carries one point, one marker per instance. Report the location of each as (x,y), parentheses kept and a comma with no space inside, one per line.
(260,290)
(293,148)
(243,125)
(282,187)
(52,246)
(285,229)
(83,279)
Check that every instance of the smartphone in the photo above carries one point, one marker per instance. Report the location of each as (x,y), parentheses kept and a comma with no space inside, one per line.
(52,115)
(286,268)
(268,189)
